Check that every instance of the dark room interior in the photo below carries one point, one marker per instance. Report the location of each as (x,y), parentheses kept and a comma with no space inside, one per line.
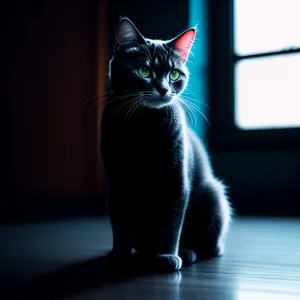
(55,230)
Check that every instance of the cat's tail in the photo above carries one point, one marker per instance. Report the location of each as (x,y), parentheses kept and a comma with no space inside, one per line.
(188,257)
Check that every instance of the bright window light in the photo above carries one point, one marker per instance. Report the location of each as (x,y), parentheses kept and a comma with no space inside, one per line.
(267,92)
(267,89)
(266,25)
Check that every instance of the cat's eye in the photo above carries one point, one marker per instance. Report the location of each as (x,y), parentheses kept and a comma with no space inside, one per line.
(144,72)
(174,75)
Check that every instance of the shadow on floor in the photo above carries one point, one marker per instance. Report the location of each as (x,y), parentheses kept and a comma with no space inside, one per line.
(81,277)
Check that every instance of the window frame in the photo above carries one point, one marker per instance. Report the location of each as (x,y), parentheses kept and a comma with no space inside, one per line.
(223,134)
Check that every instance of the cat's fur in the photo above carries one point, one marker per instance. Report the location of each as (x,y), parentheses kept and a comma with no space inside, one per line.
(164,199)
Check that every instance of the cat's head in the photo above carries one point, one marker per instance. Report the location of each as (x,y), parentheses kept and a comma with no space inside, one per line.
(154,71)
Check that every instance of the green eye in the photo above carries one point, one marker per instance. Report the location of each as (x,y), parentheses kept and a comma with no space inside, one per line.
(174,75)
(144,72)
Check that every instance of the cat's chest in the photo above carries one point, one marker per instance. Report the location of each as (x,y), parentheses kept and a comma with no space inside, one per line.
(152,146)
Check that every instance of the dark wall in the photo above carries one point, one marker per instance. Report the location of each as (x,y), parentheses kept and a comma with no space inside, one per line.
(155,19)
(51,64)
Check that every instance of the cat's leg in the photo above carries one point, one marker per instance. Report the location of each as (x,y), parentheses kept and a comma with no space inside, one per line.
(164,258)
(168,237)
(157,255)
(122,243)
(120,254)
(167,258)
(206,223)
(121,228)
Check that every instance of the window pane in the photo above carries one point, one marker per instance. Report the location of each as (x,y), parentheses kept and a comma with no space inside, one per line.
(266,25)
(267,92)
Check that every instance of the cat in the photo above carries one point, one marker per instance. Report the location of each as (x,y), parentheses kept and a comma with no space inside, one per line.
(163,198)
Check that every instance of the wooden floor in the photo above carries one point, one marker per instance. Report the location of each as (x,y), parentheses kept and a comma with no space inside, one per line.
(65,260)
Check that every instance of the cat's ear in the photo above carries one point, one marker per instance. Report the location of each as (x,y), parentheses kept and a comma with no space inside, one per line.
(128,35)
(183,43)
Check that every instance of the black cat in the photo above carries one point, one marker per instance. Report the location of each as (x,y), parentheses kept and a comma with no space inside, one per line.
(164,199)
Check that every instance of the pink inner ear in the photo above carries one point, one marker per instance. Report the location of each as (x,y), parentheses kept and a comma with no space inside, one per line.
(184,42)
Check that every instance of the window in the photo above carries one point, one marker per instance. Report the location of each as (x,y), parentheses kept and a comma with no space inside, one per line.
(254,74)
(266,64)
(257,154)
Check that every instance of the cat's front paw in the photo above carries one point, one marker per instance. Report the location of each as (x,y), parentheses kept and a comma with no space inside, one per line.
(167,262)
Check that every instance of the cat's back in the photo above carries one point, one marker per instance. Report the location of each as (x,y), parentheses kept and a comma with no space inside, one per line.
(198,158)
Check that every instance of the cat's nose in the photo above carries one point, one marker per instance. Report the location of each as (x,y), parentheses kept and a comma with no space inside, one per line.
(162,91)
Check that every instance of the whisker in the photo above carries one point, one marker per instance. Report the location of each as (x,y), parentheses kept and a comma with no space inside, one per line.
(131,110)
(190,99)
(193,104)
(123,106)
(141,104)
(119,97)
(180,107)
(189,91)
(190,112)
(94,97)
(186,110)
(197,109)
